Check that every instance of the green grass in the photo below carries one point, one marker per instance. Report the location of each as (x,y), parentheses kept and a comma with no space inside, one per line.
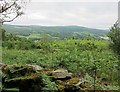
(41,36)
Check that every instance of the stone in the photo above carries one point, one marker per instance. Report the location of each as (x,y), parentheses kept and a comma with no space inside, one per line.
(25,78)
(61,74)
(36,67)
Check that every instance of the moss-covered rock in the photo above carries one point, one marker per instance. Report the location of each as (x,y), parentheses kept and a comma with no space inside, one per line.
(61,74)
(73,81)
(25,79)
(47,71)
(69,85)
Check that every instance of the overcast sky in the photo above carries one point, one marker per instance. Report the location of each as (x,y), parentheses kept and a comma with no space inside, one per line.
(82,13)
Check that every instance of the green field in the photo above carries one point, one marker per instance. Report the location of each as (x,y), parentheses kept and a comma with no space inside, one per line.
(77,56)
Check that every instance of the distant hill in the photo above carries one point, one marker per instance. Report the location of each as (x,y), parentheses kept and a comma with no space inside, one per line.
(54,31)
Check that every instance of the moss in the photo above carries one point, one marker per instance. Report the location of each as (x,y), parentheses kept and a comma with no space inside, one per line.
(26,79)
(11,90)
(22,77)
(73,81)
(47,71)
(61,84)
(86,86)
(19,79)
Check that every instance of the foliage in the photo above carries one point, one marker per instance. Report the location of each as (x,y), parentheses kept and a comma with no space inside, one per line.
(88,79)
(47,84)
(2,34)
(13,42)
(114,36)
(77,56)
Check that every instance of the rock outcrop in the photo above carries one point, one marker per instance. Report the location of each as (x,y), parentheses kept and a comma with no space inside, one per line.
(25,78)
(34,78)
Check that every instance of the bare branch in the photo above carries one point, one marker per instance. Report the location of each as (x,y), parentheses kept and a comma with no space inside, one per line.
(11,19)
(6,8)
(11,9)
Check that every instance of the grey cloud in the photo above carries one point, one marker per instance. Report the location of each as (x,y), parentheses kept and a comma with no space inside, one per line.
(90,14)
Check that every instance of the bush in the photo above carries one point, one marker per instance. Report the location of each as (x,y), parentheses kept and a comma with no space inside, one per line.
(114,36)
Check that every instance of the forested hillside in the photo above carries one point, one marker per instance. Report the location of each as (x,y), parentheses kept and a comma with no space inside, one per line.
(57,32)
